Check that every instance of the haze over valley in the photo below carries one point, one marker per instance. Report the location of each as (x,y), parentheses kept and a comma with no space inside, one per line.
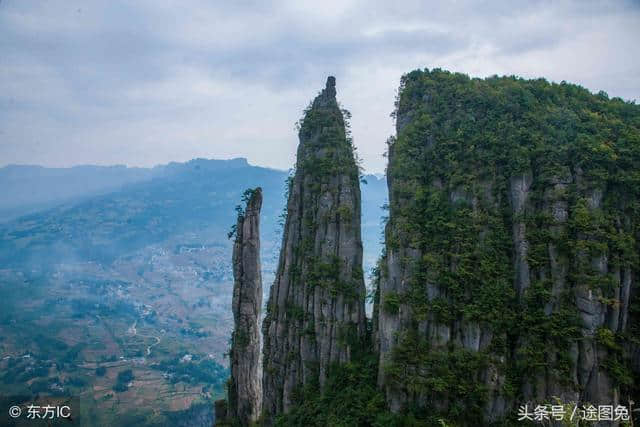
(112,270)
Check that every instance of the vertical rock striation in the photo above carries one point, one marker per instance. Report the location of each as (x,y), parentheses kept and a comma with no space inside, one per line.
(245,386)
(315,314)
(511,263)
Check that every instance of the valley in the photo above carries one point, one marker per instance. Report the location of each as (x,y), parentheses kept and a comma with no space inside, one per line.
(122,301)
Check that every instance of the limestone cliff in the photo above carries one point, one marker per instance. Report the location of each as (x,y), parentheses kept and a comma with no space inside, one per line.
(315,312)
(245,385)
(511,248)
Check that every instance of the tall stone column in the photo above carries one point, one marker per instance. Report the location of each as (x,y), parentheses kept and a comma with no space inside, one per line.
(245,388)
(315,314)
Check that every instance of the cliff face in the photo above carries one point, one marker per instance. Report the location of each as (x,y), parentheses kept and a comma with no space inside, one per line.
(511,262)
(315,312)
(245,387)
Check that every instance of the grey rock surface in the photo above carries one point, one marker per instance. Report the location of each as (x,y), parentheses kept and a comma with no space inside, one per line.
(315,313)
(245,387)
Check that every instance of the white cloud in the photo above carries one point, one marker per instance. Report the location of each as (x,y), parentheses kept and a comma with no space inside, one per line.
(152,81)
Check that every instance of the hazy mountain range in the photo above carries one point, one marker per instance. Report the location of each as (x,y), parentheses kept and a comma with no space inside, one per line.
(124,269)
(100,212)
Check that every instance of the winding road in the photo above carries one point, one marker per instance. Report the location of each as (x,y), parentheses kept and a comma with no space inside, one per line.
(134,332)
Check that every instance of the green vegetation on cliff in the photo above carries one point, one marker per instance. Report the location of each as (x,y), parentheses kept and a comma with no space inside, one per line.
(499,178)
(511,251)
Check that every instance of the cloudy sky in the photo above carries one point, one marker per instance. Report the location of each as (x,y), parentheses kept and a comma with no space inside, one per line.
(151,81)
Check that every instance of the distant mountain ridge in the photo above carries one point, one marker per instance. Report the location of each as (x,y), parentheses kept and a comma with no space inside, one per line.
(30,188)
(100,212)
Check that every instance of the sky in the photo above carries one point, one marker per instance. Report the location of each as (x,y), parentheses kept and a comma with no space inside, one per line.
(147,82)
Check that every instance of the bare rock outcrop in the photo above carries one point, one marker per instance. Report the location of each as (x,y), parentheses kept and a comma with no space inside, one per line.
(245,385)
(315,314)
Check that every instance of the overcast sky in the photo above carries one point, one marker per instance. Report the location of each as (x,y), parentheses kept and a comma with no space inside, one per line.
(150,81)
